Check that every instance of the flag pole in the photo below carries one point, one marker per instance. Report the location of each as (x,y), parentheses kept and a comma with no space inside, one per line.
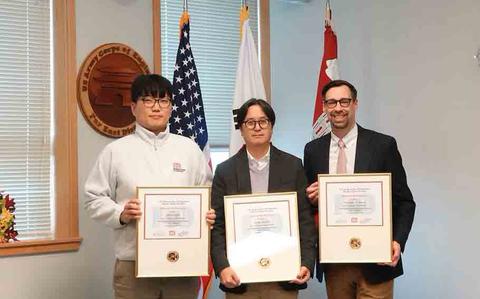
(187,113)
(185,5)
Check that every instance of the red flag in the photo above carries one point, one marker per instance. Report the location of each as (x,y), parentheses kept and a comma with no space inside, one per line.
(328,72)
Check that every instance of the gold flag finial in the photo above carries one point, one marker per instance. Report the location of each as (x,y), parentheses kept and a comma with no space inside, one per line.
(243,17)
(185,18)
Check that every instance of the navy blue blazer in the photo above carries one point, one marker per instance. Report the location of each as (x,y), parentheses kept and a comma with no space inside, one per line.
(375,153)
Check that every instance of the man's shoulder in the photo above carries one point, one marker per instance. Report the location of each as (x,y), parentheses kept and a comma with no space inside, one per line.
(182,141)
(318,141)
(375,135)
(120,143)
(119,148)
(177,141)
(230,161)
(284,155)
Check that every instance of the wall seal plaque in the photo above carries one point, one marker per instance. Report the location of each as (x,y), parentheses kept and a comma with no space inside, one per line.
(103,88)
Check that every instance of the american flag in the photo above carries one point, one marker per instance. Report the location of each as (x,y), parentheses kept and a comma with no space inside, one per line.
(188,116)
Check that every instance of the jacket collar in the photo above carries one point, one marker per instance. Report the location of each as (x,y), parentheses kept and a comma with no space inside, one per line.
(150,137)
(363,153)
(243,171)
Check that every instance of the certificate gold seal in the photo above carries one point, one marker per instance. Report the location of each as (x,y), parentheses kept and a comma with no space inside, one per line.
(264,262)
(172,256)
(355,243)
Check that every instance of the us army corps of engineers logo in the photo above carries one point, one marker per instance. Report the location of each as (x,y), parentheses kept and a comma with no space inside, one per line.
(103,88)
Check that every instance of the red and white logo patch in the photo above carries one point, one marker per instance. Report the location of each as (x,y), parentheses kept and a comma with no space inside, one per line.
(177,167)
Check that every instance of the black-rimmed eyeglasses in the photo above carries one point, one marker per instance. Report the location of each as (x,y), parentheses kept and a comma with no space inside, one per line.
(262,123)
(149,102)
(344,102)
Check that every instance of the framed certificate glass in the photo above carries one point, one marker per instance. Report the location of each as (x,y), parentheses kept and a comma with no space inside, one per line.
(355,218)
(173,238)
(262,236)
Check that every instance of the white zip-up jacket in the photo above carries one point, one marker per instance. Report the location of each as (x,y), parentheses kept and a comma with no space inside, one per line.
(140,159)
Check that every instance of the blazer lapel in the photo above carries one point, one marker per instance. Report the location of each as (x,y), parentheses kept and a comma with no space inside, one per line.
(324,154)
(362,155)
(243,172)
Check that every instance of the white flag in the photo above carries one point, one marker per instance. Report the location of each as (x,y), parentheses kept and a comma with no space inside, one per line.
(248,83)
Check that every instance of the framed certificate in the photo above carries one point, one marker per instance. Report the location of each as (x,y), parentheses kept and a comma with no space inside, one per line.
(173,238)
(355,218)
(262,236)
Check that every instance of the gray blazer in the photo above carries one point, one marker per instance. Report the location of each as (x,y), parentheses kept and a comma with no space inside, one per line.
(285,174)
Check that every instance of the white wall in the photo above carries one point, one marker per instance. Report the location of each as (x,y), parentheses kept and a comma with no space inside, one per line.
(412,62)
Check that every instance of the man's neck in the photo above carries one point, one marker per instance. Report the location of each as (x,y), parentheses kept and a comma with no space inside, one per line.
(155,131)
(158,131)
(258,151)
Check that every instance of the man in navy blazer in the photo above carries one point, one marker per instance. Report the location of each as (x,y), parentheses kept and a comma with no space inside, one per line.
(366,151)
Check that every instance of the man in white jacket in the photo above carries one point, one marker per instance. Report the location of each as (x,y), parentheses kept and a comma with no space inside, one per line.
(150,157)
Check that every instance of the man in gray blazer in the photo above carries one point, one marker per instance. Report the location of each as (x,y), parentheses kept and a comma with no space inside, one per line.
(259,167)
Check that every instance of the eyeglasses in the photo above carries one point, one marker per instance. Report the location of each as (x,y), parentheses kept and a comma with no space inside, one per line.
(262,123)
(345,102)
(149,102)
